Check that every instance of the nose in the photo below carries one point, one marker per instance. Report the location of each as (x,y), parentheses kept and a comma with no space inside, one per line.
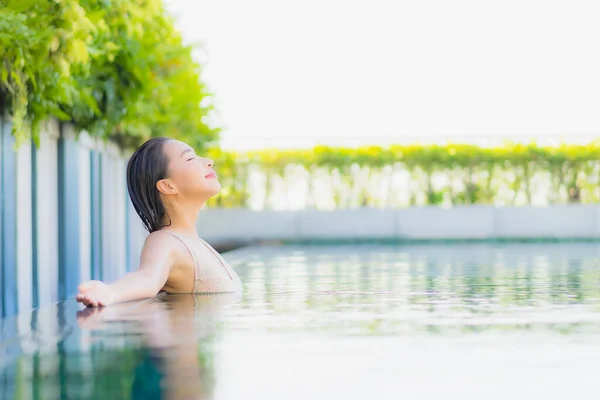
(210,162)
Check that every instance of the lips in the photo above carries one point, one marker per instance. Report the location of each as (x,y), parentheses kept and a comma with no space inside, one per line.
(211,175)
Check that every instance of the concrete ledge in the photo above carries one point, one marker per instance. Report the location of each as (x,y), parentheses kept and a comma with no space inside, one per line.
(360,223)
(243,224)
(557,221)
(569,222)
(441,223)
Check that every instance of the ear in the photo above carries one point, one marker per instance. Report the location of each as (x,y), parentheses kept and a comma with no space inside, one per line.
(165,186)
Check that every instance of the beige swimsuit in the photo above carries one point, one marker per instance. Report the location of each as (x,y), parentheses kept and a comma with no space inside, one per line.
(212,277)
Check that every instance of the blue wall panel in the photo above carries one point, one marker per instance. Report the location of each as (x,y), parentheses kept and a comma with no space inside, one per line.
(35,302)
(62,162)
(96,214)
(9,222)
(129,264)
(68,218)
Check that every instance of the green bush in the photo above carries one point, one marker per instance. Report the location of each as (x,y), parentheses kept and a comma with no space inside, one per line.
(469,174)
(115,68)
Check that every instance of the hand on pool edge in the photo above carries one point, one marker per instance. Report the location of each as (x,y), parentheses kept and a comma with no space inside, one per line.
(95,294)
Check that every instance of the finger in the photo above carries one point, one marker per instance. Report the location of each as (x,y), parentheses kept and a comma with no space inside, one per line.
(92,303)
(85,286)
(81,296)
(89,301)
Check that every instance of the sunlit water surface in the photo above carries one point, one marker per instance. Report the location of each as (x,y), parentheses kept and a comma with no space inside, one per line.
(516,321)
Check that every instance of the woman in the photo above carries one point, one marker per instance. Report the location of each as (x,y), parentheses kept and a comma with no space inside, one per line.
(168,185)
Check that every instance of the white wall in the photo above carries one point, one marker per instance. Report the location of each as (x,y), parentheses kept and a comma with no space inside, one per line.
(137,235)
(246,224)
(24,227)
(47,213)
(118,226)
(473,222)
(113,214)
(571,221)
(85,206)
(468,222)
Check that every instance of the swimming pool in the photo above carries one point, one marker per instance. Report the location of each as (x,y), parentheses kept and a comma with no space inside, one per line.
(334,321)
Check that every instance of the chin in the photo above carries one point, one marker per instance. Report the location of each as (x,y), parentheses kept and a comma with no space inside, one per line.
(215,190)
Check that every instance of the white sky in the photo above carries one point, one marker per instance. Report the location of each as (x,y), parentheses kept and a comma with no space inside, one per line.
(348,72)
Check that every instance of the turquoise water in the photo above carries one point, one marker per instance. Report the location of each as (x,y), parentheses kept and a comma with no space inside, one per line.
(351,322)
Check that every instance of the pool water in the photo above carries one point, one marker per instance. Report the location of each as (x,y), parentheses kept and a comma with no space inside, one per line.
(519,321)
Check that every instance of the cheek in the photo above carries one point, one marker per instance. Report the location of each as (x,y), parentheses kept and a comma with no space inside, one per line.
(186,177)
(191,180)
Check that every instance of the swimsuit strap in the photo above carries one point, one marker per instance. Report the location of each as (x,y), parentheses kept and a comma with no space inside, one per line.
(194,259)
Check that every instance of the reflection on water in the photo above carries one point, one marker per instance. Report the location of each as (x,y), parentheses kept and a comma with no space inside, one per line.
(152,349)
(397,311)
(371,290)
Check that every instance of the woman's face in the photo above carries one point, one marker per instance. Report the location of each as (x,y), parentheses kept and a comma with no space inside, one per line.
(191,175)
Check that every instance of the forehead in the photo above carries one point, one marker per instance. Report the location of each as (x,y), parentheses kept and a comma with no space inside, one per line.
(174,148)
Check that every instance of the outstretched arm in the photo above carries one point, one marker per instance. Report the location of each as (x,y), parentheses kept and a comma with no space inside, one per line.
(155,265)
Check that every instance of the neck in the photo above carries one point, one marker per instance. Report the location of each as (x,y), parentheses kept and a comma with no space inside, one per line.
(182,216)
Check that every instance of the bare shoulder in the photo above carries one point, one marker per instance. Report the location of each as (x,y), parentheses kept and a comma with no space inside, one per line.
(163,242)
(160,238)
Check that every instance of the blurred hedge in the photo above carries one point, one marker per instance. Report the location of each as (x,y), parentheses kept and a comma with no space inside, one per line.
(114,68)
(433,174)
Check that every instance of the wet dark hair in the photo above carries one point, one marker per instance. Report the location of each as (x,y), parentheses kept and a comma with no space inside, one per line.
(146,167)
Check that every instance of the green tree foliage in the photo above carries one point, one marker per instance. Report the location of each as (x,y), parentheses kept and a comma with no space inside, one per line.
(115,68)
